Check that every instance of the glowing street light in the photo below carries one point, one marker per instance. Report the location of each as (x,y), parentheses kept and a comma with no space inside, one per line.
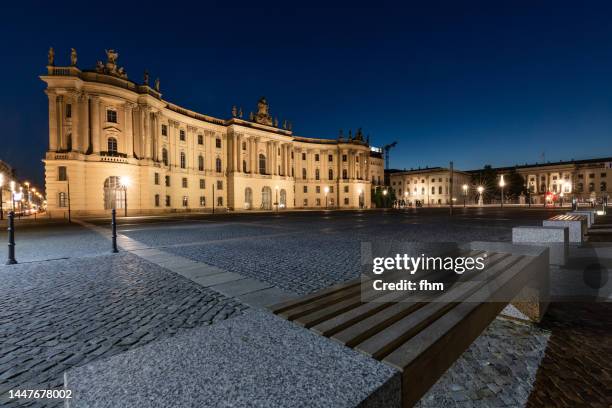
(465,190)
(502,183)
(480,189)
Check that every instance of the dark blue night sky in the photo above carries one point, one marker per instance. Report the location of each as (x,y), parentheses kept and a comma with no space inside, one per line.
(473,82)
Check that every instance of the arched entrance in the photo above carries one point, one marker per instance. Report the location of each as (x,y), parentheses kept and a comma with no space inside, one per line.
(283,199)
(114,193)
(266,198)
(248,198)
(362,199)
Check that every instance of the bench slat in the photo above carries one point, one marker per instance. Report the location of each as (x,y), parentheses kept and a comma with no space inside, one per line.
(393,336)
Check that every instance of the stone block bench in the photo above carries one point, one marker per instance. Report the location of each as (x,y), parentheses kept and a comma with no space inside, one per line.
(577,225)
(420,334)
(555,238)
(254,360)
(590,214)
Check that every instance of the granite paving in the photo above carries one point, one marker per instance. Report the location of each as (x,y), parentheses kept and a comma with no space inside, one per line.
(59,314)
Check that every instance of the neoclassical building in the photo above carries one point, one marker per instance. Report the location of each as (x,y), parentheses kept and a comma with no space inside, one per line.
(114,143)
(429,186)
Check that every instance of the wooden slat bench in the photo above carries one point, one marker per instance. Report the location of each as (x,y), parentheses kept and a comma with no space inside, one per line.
(420,334)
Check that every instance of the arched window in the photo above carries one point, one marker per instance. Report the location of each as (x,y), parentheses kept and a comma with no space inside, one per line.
(266,198)
(183,160)
(218,165)
(304,174)
(114,193)
(112,145)
(200,163)
(330,175)
(262,164)
(344,174)
(244,166)
(283,199)
(317,174)
(165,156)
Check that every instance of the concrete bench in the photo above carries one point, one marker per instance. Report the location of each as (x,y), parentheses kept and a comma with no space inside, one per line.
(421,334)
(577,225)
(590,214)
(555,238)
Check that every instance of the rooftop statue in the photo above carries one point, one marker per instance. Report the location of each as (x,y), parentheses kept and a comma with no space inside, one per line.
(263,115)
(73,57)
(234,111)
(157,84)
(145,77)
(240,113)
(51,56)
(111,56)
(100,67)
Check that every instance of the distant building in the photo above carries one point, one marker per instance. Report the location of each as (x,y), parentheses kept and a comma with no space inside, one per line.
(113,142)
(585,180)
(429,186)
(8,175)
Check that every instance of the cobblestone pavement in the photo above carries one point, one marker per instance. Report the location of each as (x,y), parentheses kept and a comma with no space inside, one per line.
(577,368)
(302,253)
(498,370)
(59,314)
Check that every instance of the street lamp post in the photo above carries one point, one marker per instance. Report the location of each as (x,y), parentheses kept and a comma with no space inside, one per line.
(125,182)
(502,183)
(326,189)
(1,196)
(480,190)
(276,189)
(465,190)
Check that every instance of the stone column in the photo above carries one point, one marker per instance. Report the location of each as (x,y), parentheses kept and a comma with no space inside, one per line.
(52,120)
(147,132)
(255,156)
(95,124)
(76,130)
(129,133)
(84,121)
(60,123)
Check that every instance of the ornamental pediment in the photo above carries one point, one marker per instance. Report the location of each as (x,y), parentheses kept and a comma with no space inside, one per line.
(112,129)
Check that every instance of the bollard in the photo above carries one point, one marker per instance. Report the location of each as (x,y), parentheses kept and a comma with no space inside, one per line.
(114,227)
(11,237)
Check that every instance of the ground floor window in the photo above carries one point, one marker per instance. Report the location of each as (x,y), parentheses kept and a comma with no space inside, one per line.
(248,198)
(185,201)
(114,193)
(318,202)
(157,200)
(283,199)
(220,201)
(63,200)
(202,201)
(346,201)
(167,201)
(305,202)
(266,198)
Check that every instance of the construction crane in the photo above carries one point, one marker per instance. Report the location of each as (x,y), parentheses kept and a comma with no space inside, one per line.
(386,149)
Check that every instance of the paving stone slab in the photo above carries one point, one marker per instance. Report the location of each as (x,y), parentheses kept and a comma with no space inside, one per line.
(255,360)
(266,297)
(240,287)
(217,278)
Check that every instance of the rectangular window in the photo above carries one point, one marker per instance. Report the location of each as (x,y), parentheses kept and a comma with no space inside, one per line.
(592,175)
(68,110)
(111,116)
(603,174)
(318,189)
(164,130)
(200,139)
(157,200)
(202,184)
(305,189)
(62,174)
(219,185)
(220,201)
(218,143)
(185,201)
(346,201)
(331,189)
(316,157)
(346,189)
(305,202)
(167,201)
(156,179)
(344,157)
(167,181)
(184,182)
(63,200)
(318,202)
(202,201)
(182,135)
(303,156)
(330,158)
